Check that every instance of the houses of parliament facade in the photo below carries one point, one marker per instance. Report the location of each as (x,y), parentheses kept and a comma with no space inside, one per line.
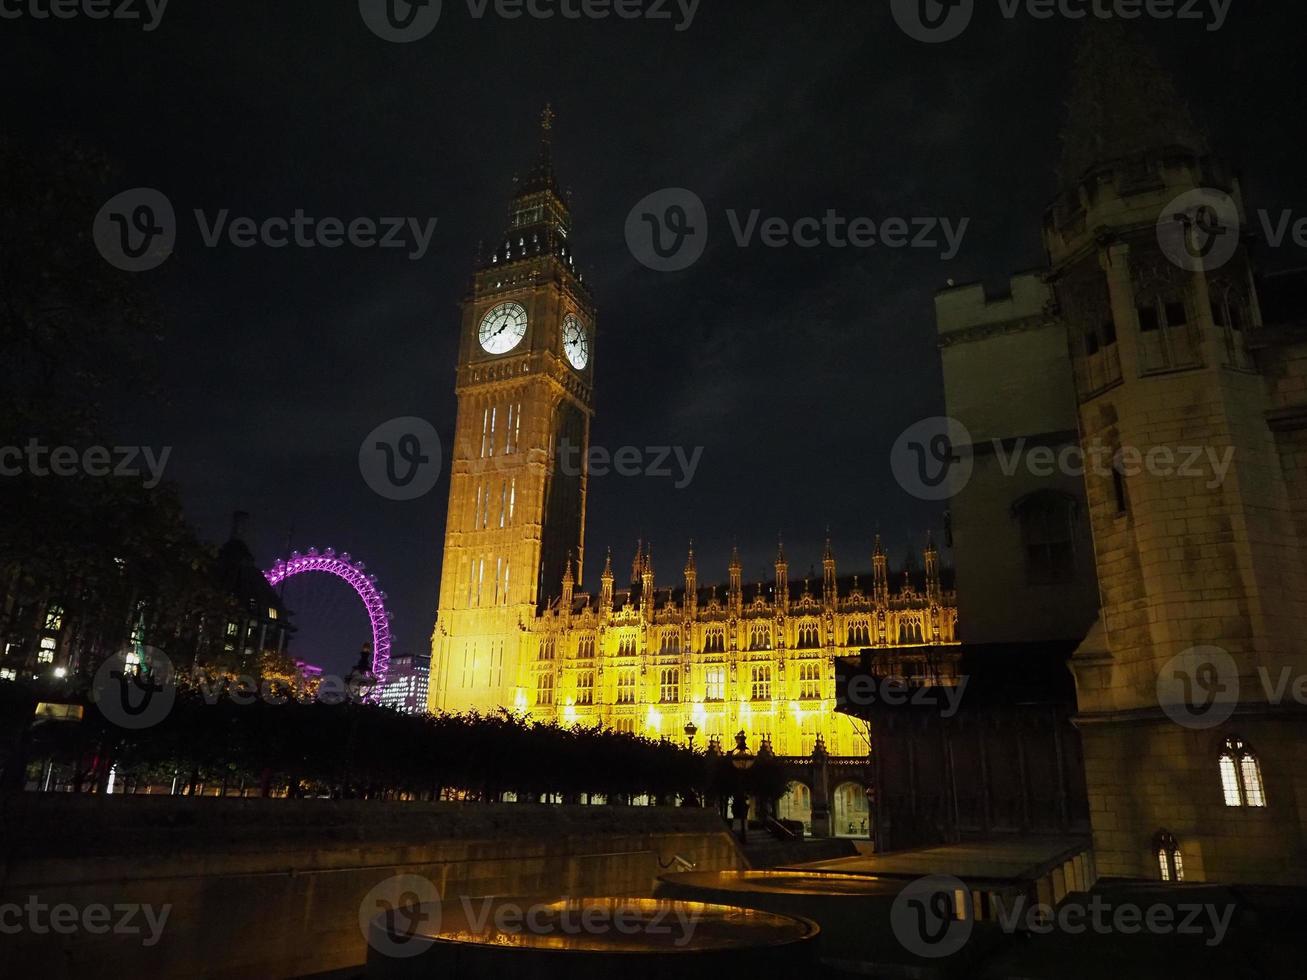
(642,656)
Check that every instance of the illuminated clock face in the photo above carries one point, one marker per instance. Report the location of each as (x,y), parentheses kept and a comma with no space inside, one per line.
(503,328)
(576,343)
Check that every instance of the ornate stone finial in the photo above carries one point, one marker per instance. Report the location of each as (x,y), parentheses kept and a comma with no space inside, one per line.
(637,563)
(829,553)
(568,578)
(547,117)
(608,564)
(780,548)
(819,749)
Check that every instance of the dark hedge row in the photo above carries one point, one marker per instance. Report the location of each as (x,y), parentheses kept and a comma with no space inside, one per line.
(353,750)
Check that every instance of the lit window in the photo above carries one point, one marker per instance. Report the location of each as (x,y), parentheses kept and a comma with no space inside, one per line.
(45,654)
(760,678)
(715,683)
(585,687)
(1170,865)
(1241,775)
(545,689)
(669,688)
(54,618)
(809,681)
(626,687)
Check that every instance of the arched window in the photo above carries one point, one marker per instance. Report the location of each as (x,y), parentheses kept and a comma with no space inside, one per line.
(1169,863)
(808,636)
(760,637)
(1241,775)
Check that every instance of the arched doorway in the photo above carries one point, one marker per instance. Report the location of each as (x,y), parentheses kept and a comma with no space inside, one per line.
(796,804)
(849,811)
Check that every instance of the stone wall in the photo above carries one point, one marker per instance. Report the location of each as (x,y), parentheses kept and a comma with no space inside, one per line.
(272,888)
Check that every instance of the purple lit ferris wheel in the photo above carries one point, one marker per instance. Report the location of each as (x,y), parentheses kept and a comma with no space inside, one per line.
(353,573)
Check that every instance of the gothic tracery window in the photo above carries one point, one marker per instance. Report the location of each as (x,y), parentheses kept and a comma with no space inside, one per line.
(1166,340)
(1241,775)
(1170,864)
(809,636)
(669,688)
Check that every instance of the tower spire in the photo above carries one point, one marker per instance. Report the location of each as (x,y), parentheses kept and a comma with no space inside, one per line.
(691,583)
(829,590)
(606,586)
(782,593)
(735,594)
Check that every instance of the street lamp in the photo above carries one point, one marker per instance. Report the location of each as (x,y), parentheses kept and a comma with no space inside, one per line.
(691,730)
(741,760)
(740,757)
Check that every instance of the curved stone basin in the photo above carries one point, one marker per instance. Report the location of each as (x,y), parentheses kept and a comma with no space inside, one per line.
(583,938)
(853,911)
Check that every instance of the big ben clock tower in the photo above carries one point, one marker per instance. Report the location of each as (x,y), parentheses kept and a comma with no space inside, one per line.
(517,483)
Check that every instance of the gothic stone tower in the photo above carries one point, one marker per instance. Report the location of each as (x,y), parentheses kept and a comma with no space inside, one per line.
(517,488)
(1188,556)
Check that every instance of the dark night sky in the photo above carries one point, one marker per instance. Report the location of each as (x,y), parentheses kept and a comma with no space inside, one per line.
(794,369)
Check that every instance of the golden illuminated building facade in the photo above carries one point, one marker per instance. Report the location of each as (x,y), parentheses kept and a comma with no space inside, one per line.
(512,629)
